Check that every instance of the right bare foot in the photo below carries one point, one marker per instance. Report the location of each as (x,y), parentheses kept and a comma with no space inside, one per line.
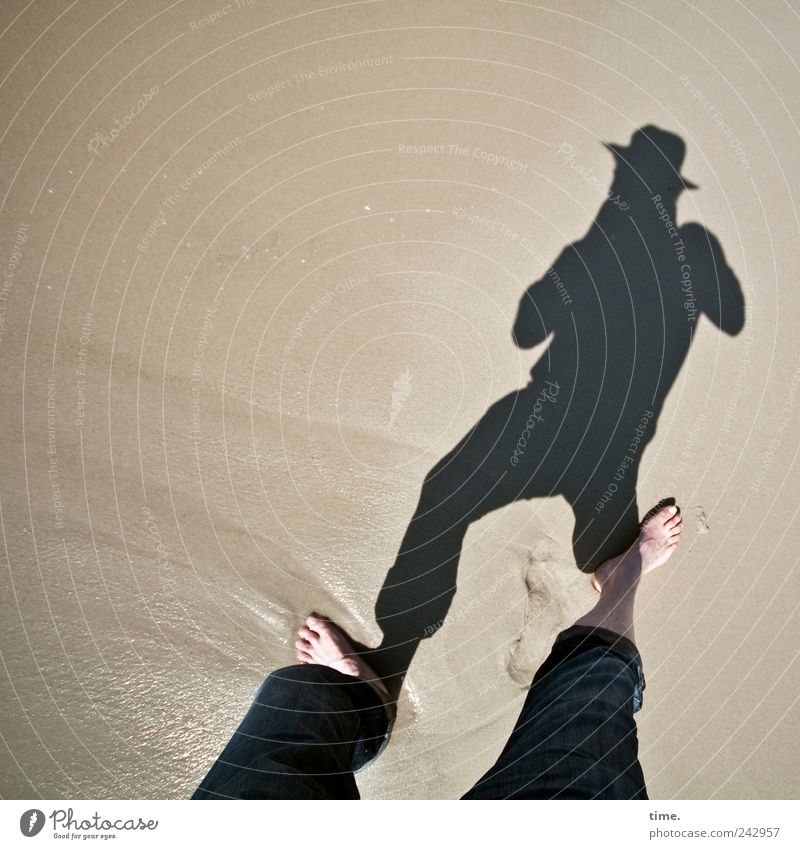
(320,641)
(657,540)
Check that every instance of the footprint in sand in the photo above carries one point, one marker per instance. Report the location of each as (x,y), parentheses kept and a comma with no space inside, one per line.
(544,613)
(700,520)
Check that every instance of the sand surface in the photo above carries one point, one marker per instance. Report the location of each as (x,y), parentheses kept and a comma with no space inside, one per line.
(261,264)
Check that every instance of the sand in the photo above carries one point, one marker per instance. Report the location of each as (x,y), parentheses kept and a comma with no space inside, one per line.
(261,265)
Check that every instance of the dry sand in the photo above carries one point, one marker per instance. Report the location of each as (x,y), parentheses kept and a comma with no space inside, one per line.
(242,318)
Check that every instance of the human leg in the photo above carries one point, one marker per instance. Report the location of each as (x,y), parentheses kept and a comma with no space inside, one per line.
(309,727)
(618,577)
(576,735)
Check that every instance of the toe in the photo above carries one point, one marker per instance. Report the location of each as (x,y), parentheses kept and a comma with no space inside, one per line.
(316,625)
(304,657)
(668,513)
(308,634)
(659,515)
(673,520)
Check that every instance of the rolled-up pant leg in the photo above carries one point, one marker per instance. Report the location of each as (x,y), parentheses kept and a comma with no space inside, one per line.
(307,730)
(576,735)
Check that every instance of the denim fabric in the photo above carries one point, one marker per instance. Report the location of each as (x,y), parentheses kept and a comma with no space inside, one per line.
(576,735)
(308,728)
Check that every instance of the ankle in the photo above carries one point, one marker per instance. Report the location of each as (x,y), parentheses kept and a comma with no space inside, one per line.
(623,576)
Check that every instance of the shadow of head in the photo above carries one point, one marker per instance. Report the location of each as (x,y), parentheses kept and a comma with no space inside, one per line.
(654,157)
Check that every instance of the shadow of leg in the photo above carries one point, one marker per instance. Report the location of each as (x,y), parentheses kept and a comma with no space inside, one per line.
(418,590)
(603,533)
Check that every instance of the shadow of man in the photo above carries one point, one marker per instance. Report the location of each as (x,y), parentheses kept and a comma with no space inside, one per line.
(620,309)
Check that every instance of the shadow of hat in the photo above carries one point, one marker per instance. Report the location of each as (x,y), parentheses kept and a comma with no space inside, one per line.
(652,148)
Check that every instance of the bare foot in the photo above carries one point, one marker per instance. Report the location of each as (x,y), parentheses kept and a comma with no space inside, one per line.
(320,641)
(657,539)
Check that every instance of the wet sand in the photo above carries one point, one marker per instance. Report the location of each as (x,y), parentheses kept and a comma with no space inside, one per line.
(261,264)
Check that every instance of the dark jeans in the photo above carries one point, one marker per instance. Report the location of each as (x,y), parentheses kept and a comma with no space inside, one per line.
(310,727)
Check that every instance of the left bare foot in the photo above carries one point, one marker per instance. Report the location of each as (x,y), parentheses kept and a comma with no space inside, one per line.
(320,641)
(658,538)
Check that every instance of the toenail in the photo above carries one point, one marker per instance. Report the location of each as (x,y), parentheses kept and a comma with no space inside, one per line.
(672,508)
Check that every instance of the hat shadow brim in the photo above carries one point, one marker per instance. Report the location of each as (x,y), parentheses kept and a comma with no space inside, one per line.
(624,154)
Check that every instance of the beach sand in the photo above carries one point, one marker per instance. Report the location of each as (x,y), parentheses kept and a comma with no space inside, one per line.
(261,263)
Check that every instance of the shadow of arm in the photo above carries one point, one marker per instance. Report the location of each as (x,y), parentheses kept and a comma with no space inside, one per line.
(721,296)
(537,310)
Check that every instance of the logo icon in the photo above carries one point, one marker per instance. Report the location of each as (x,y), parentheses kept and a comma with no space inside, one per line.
(31,822)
